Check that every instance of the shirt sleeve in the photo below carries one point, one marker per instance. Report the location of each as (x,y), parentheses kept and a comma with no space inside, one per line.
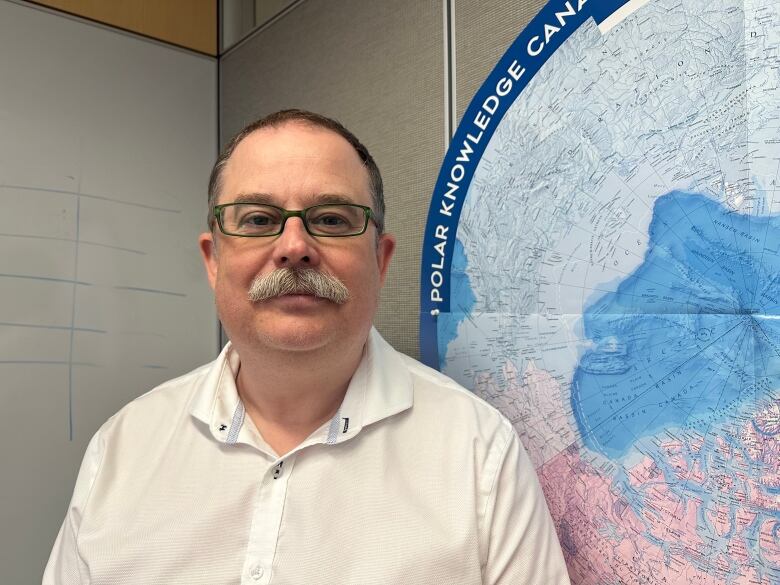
(522,546)
(65,566)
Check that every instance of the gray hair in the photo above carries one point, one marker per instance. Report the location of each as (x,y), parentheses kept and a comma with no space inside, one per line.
(302,116)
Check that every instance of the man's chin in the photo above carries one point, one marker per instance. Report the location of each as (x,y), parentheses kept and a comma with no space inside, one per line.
(295,339)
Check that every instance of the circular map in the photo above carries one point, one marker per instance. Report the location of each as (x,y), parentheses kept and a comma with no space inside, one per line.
(602,264)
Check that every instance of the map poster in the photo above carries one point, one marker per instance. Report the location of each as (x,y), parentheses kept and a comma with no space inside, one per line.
(602,263)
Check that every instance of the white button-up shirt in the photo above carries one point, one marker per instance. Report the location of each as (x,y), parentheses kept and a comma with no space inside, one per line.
(414,481)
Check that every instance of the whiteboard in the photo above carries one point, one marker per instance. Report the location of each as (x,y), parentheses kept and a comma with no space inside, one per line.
(106,143)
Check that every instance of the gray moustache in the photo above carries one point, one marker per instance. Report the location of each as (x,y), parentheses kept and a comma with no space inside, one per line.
(291,281)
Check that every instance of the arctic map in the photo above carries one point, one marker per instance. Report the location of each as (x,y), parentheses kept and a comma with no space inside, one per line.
(602,264)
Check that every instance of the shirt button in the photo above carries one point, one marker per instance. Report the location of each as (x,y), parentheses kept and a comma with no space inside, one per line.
(257,572)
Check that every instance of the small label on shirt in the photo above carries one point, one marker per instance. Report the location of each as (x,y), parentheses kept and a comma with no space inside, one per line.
(278,470)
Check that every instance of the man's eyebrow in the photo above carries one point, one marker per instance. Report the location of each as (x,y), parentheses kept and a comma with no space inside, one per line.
(321,198)
(317,199)
(254,198)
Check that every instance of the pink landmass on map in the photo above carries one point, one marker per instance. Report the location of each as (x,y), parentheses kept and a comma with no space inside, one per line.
(606,541)
(691,510)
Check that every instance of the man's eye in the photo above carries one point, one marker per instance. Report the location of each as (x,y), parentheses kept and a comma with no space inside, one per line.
(330,220)
(256,219)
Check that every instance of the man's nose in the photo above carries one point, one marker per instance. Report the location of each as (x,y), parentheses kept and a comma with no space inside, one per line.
(295,247)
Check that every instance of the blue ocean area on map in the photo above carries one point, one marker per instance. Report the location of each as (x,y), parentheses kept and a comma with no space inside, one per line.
(690,335)
(462,300)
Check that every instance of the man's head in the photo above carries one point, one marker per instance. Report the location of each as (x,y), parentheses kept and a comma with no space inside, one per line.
(287,291)
(302,116)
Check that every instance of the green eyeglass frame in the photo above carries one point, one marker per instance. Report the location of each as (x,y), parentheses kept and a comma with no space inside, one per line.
(286,214)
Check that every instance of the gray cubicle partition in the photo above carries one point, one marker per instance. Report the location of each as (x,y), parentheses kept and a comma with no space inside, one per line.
(106,142)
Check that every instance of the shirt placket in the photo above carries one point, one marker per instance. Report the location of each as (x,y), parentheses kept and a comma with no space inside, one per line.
(266,522)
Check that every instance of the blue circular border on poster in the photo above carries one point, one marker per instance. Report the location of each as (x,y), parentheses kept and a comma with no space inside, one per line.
(528,53)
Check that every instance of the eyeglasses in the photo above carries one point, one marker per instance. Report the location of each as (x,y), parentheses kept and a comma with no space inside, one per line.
(255,220)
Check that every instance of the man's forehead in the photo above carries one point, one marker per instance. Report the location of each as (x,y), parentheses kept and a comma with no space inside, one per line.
(300,139)
(296,153)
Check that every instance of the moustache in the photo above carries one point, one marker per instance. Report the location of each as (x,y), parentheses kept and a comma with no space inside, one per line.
(292,281)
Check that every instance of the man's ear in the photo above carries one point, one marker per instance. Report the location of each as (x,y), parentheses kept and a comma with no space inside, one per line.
(384,253)
(208,251)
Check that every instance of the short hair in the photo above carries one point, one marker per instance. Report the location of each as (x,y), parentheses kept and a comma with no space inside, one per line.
(305,117)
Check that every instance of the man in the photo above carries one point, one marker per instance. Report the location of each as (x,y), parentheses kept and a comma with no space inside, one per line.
(309,452)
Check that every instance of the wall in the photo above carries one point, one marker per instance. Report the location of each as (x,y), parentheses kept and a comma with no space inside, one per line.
(396,74)
(188,23)
(106,142)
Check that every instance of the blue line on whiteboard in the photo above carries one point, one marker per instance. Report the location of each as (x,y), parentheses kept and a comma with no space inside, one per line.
(151,290)
(42,189)
(99,197)
(46,278)
(57,327)
(73,319)
(51,363)
(82,242)
(141,205)
(120,248)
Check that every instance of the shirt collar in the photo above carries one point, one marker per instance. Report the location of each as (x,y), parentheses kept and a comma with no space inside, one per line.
(380,388)
(216,402)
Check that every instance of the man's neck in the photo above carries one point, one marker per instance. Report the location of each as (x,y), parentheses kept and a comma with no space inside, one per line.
(289,395)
